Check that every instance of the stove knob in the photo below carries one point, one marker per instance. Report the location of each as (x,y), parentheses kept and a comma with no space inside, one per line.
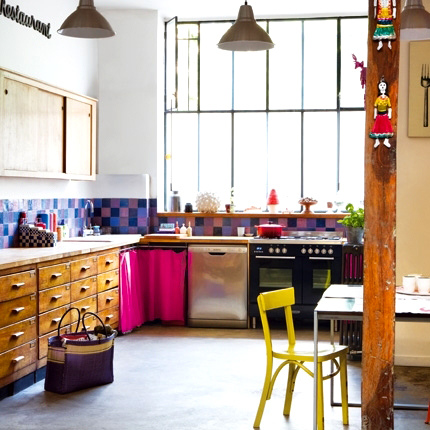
(317,251)
(277,250)
(323,251)
(310,251)
(330,251)
(284,250)
(271,250)
(303,251)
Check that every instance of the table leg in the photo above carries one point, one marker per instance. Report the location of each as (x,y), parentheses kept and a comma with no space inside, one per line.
(315,369)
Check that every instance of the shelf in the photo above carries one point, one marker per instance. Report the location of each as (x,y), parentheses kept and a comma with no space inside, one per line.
(251,215)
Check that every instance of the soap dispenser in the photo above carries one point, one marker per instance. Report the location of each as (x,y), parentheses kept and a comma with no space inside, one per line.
(189,230)
(183,229)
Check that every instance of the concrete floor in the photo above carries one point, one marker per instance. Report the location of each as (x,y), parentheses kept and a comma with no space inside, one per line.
(181,378)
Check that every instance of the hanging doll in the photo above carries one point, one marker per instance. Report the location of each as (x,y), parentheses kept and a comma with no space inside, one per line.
(382,128)
(384,12)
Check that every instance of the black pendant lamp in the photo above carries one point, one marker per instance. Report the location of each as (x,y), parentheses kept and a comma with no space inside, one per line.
(245,34)
(415,21)
(85,22)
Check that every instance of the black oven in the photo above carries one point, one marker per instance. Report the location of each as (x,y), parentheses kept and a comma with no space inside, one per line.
(308,266)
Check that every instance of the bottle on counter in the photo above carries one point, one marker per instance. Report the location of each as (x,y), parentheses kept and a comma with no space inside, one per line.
(175,202)
(189,230)
(177,229)
(183,229)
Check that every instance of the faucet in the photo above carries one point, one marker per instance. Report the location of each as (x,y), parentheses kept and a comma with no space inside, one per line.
(87,230)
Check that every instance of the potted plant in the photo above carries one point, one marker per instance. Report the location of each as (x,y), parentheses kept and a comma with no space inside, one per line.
(354,224)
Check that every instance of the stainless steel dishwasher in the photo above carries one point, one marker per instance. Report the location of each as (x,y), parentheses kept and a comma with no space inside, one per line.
(218,286)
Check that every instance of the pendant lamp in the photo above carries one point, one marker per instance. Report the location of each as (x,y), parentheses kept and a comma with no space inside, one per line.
(85,22)
(245,34)
(415,21)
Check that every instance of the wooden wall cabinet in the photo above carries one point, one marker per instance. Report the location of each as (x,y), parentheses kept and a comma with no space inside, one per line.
(45,131)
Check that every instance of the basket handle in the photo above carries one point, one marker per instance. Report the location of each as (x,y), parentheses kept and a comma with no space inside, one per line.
(65,313)
(95,315)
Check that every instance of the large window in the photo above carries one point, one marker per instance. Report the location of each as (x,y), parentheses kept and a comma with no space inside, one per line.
(291,118)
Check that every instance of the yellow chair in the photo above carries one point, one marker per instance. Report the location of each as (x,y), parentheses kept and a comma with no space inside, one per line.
(295,358)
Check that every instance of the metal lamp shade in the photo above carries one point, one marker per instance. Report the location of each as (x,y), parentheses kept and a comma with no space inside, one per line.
(415,21)
(85,22)
(245,34)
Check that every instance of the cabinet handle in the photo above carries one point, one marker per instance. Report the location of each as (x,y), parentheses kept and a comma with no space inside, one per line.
(109,261)
(109,280)
(84,308)
(18,359)
(58,296)
(18,285)
(55,320)
(108,317)
(18,310)
(85,287)
(56,275)
(108,299)
(85,267)
(18,334)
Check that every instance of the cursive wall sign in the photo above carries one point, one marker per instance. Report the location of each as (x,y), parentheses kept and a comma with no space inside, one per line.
(13,13)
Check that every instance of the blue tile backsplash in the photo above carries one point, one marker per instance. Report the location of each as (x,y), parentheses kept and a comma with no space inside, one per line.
(132,216)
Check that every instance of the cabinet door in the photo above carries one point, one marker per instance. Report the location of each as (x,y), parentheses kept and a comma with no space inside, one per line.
(80,141)
(32,129)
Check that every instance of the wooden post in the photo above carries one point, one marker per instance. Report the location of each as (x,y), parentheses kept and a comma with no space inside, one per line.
(379,245)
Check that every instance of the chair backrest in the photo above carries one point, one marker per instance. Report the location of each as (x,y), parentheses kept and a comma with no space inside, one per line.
(274,300)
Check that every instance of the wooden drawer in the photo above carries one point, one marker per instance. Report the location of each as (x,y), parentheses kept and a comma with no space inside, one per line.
(81,269)
(18,358)
(54,298)
(86,305)
(52,276)
(85,288)
(107,262)
(43,341)
(49,320)
(110,316)
(108,280)
(17,334)
(17,285)
(17,310)
(108,299)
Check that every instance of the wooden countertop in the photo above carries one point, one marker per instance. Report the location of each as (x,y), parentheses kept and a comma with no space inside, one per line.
(15,257)
(194,239)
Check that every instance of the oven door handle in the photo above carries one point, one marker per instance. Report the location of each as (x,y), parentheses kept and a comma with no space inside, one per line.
(321,258)
(275,257)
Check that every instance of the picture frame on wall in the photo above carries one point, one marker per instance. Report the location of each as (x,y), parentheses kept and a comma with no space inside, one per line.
(419,84)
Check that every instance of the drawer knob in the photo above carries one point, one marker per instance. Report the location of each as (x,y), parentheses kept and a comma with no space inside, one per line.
(56,320)
(18,359)
(18,310)
(85,287)
(84,308)
(109,261)
(56,275)
(18,285)
(56,297)
(109,280)
(108,317)
(108,299)
(17,334)
(86,267)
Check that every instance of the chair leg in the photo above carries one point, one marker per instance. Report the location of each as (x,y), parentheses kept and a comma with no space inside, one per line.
(265,392)
(320,399)
(292,374)
(344,389)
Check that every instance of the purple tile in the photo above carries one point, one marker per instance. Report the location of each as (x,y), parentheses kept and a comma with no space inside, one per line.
(123,212)
(132,203)
(115,203)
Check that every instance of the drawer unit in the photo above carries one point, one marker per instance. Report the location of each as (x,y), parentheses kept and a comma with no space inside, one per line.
(49,320)
(54,297)
(52,276)
(108,299)
(17,285)
(107,280)
(43,341)
(85,268)
(107,262)
(84,288)
(17,310)
(86,305)
(17,358)
(110,316)
(17,334)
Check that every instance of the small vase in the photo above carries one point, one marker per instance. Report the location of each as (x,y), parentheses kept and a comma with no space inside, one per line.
(354,235)
(273,209)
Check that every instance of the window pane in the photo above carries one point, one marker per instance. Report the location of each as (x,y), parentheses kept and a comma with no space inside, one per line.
(215,155)
(285,65)
(284,155)
(320,64)
(215,69)
(250,80)
(187,67)
(351,165)
(184,156)
(250,160)
(320,156)
(354,38)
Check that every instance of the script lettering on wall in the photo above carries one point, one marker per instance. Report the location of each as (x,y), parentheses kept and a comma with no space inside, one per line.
(15,14)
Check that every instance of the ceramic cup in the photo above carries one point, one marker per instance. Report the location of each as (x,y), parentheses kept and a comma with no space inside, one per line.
(423,284)
(240,231)
(409,283)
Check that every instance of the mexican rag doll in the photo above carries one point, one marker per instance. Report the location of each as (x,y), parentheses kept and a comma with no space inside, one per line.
(384,12)
(382,128)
